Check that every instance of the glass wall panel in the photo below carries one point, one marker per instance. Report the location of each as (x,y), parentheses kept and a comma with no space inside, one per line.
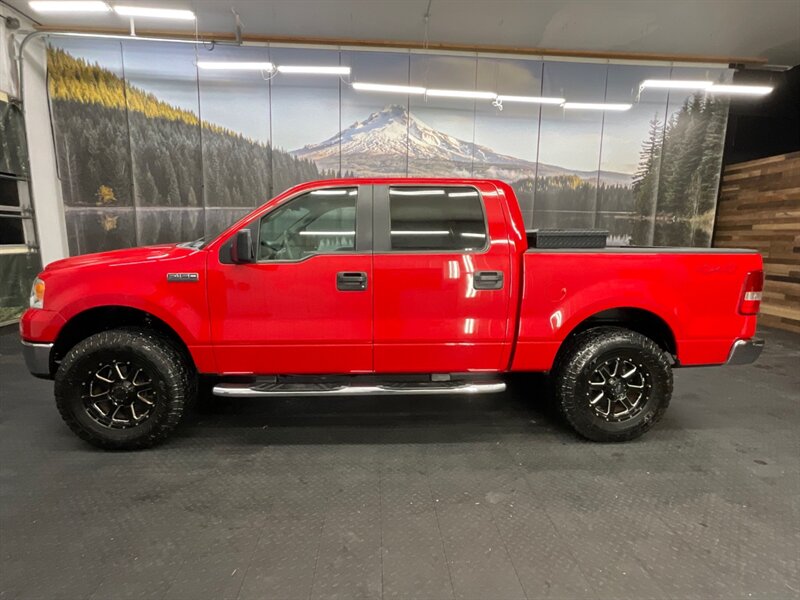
(694,140)
(90,124)
(86,82)
(441,130)
(305,118)
(630,154)
(163,112)
(374,140)
(507,135)
(234,106)
(569,146)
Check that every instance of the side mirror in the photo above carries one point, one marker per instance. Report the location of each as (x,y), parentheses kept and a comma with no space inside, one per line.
(242,247)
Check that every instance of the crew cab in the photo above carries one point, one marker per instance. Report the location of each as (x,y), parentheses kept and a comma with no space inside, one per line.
(383,286)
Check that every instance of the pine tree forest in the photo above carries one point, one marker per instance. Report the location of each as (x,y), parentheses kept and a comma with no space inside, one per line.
(675,186)
(119,147)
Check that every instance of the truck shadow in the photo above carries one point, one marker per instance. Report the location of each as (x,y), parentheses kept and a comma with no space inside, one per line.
(522,409)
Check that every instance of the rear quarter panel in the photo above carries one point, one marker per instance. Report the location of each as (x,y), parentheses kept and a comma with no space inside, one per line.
(696,293)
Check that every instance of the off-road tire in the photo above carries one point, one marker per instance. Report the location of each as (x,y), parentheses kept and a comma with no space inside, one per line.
(174,383)
(576,364)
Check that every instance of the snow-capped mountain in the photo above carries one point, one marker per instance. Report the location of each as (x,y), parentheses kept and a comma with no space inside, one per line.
(379,144)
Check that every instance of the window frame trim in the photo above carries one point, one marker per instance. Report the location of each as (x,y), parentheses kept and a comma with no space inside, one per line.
(363,236)
(382,221)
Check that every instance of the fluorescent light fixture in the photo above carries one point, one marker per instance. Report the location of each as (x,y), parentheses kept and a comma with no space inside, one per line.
(461,194)
(416,192)
(462,94)
(745,90)
(327,232)
(300,70)
(234,66)
(69,6)
(154,13)
(473,235)
(532,99)
(597,106)
(432,232)
(676,84)
(382,87)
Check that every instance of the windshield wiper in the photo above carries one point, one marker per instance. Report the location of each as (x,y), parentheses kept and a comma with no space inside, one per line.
(196,244)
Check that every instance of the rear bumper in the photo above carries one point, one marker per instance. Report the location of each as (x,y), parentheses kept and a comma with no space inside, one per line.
(744,352)
(37,358)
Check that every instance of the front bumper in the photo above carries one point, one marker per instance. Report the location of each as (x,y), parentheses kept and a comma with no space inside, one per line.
(744,352)
(37,358)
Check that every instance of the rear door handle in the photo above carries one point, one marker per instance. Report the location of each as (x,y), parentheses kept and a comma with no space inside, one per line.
(351,281)
(488,280)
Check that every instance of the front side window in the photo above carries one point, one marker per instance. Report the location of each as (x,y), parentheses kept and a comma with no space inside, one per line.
(318,222)
(448,219)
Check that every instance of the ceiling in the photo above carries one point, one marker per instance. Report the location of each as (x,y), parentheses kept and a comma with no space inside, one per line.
(744,28)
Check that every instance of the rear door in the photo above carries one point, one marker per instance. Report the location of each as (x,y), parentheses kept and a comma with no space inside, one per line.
(441,267)
(305,305)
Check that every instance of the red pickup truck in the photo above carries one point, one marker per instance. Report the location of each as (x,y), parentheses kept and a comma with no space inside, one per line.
(383,286)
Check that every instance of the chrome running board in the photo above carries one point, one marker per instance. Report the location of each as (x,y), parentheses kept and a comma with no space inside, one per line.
(250,390)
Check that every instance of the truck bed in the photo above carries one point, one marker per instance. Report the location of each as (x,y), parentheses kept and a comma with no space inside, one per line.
(694,291)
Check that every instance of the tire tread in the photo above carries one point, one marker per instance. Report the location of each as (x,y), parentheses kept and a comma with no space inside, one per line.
(174,368)
(572,359)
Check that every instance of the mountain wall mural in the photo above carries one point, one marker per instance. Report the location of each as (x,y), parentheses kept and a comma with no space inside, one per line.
(376,141)
(151,150)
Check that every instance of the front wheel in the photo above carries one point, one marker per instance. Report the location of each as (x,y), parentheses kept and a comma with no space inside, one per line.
(123,389)
(612,384)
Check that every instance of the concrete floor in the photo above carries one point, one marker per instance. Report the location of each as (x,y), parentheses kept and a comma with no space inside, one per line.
(440,497)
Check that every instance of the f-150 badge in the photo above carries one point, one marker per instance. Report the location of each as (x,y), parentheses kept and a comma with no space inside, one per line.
(183,277)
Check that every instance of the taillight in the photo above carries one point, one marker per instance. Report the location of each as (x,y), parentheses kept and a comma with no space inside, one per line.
(752,290)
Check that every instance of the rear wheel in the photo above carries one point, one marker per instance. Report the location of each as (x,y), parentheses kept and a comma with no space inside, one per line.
(612,384)
(123,389)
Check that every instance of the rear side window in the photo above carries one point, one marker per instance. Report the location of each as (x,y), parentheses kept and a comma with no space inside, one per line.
(436,218)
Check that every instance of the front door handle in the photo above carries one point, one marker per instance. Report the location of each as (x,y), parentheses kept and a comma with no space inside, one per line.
(351,281)
(488,280)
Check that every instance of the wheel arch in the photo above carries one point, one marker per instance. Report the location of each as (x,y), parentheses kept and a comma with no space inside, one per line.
(103,318)
(640,320)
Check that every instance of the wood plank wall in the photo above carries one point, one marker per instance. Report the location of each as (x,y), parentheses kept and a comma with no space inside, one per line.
(759,207)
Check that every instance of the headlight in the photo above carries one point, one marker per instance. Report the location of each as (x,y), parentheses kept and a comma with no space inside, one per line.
(37,294)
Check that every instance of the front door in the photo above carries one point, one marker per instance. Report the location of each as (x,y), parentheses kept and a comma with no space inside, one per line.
(442,299)
(305,305)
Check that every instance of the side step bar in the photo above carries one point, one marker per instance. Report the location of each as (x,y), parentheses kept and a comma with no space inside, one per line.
(249,390)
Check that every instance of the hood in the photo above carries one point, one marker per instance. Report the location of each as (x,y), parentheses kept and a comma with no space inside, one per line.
(127,256)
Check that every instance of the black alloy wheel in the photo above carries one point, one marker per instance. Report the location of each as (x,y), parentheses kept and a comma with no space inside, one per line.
(612,384)
(124,389)
(120,393)
(619,388)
